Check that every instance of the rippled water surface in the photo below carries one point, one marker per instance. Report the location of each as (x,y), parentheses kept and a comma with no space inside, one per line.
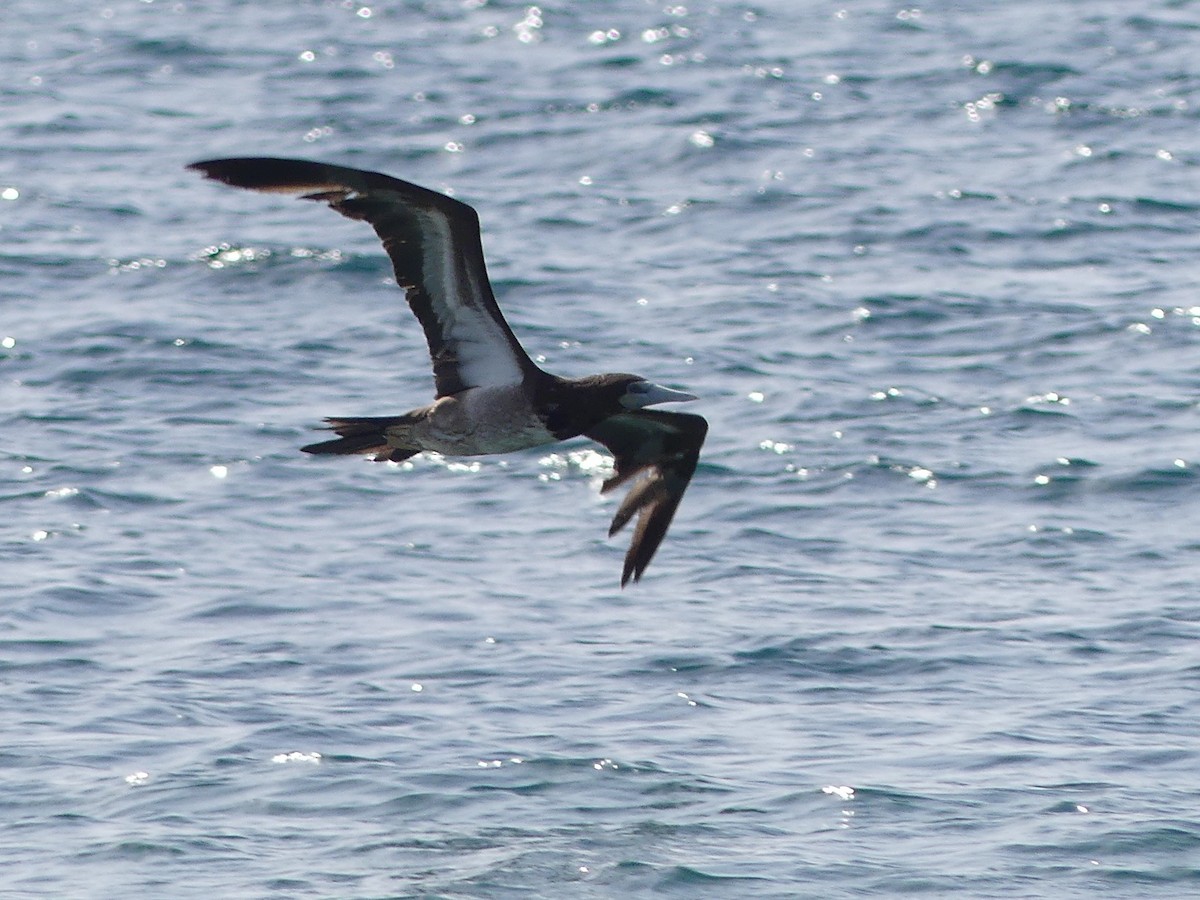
(927,621)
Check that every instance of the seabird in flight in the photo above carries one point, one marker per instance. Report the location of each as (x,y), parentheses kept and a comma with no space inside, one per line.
(491,397)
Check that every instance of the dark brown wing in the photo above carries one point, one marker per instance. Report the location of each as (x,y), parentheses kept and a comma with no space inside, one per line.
(663,447)
(434,244)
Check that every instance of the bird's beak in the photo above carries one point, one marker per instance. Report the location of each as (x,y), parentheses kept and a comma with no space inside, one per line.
(650,394)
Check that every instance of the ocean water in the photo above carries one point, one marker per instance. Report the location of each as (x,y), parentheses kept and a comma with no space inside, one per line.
(926,623)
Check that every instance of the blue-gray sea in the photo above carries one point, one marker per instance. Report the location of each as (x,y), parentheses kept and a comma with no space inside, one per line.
(927,623)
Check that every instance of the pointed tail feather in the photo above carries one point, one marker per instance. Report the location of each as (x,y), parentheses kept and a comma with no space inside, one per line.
(366,435)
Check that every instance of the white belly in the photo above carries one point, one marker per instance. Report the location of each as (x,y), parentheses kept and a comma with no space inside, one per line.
(481,421)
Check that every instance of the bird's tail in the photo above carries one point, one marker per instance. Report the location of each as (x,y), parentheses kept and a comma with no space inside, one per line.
(367,435)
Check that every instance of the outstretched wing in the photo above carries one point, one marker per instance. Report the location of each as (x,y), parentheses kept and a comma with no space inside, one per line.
(434,245)
(663,447)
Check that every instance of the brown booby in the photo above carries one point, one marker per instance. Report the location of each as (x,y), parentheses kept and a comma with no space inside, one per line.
(490,396)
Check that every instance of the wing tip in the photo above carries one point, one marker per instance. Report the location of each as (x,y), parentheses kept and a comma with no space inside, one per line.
(272,175)
(218,169)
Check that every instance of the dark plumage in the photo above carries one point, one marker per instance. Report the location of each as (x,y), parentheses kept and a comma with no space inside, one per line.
(490,396)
